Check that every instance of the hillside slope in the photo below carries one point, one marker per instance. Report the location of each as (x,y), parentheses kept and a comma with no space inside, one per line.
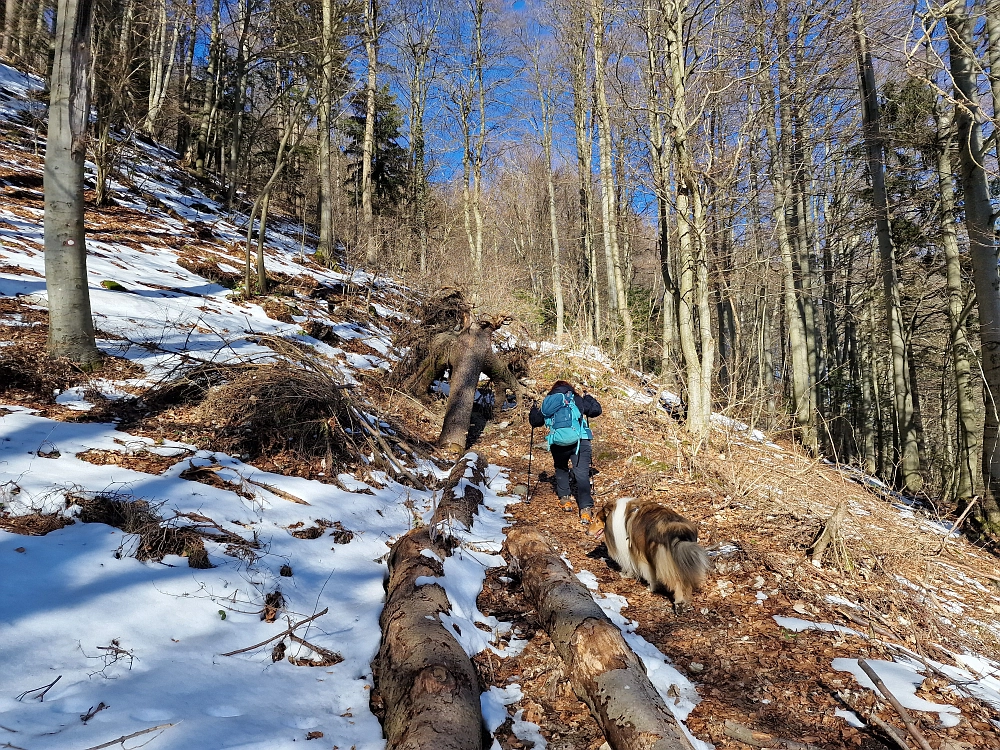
(111,511)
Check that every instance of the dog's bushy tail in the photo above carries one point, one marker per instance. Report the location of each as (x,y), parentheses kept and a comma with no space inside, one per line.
(692,563)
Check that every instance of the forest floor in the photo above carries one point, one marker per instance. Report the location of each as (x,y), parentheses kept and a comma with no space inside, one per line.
(760,643)
(768,644)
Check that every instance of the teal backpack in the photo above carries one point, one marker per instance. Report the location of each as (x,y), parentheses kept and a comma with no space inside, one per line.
(567,425)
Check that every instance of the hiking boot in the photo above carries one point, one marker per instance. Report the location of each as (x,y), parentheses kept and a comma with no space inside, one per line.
(567,504)
(586,516)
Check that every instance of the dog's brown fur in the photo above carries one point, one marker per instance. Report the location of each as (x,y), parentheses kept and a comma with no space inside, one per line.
(660,547)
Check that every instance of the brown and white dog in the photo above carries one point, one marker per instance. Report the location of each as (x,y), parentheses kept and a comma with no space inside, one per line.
(655,544)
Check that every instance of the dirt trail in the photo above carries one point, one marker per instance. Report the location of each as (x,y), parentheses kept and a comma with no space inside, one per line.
(759,508)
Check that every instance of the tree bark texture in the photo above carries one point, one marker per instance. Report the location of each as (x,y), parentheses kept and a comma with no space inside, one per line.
(476,344)
(584,157)
(427,682)
(609,210)
(212,75)
(461,497)
(961,350)
(368,146)
(71,327)
(324,112)
(982,250)
(802,386)
(606,674)
(694,315)
(906,428)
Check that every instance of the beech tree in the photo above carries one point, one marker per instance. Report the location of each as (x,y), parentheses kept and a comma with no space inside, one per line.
(71,327)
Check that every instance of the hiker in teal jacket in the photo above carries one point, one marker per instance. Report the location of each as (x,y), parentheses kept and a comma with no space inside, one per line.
(567,414)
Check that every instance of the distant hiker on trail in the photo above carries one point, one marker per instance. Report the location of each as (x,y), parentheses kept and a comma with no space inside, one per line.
(566,413)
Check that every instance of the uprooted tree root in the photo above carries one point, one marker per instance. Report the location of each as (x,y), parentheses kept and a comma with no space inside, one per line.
(431,343)
(184,534)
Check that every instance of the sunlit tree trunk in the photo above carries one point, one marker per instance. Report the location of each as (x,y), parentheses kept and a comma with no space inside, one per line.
(162,54)
(544,86)
(694,309)
(479,144)
(584,159)
(242,66)
(660,151)
(982,250)
(801,381)
(209,105)
(909,458)
(617,291)
(71,327)
(324,247)
(419,35)
(961,351)
(368,147)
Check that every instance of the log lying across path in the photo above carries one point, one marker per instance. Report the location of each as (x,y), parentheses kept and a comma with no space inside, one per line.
(461,496)
(606,674)
(427,682)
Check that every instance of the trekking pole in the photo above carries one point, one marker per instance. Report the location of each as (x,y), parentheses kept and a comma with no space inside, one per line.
(531,448)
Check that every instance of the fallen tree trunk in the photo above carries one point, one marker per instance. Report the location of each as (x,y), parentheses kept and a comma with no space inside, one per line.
(427,683)
(460,498)
(606,674)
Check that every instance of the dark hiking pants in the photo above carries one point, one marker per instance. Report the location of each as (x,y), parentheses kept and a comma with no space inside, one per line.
(562,457)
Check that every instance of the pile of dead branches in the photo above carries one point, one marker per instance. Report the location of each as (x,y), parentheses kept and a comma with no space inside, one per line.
(154,538)
(296,403)
(25,366)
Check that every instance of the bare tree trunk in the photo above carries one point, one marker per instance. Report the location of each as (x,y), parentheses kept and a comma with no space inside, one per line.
(584,158)
(609,212)
(983,252)
(263,201)
(546,104)
(212,75)
(695,316)
(660,154)
(71,327)
(478,154)
(324,248)
(968,439)
(902,397)
(419,36)
(162,54)
(239,102)
(12,14)
(368,146)
(801,381)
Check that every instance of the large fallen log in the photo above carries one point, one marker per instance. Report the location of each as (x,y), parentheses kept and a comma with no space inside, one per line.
(460,497)
(605,673)
(427,683)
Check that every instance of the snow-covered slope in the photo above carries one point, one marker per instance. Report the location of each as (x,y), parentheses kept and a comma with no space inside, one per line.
(128,645)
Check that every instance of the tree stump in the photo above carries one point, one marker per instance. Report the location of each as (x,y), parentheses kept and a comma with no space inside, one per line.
(606,674)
